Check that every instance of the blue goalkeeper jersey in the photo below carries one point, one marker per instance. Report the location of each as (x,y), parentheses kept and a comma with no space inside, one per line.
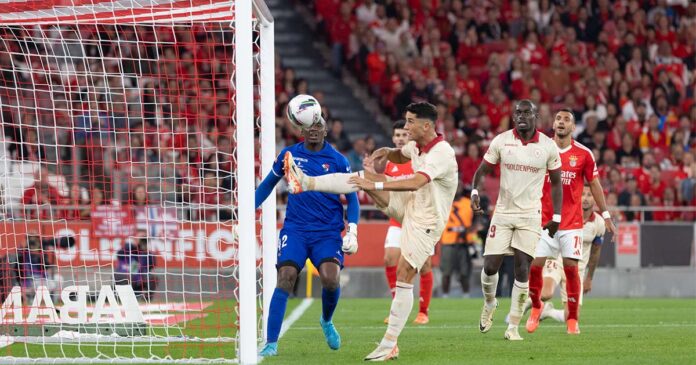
(314,211)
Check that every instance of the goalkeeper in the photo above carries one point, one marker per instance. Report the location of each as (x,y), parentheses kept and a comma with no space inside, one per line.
(312,229)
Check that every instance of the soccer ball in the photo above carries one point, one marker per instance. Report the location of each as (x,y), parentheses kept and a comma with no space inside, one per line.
(304,111)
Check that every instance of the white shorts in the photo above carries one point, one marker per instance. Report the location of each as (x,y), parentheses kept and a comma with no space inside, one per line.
(417,242)
(567,243)
(510,231)
(393,238)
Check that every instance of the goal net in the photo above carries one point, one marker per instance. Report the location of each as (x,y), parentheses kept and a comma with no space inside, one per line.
(133,133)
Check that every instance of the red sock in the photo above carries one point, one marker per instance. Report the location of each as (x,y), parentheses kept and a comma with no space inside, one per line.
(573,290)
(536,282)
(391,278)
(426,291)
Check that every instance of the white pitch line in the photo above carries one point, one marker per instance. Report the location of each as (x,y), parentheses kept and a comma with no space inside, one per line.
(609,325)
(292,318)
(295,315)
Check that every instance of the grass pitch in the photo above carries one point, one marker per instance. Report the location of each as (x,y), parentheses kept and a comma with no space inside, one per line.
(614,331)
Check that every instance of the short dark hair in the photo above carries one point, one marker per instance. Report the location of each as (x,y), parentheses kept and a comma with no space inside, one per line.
(567,110)
(423,110)
(399,124)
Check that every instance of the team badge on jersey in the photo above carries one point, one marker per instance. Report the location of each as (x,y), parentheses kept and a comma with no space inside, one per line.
(573,160)
(325,166)
(537,153)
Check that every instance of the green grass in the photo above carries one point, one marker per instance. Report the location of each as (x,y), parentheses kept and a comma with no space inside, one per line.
(614,331)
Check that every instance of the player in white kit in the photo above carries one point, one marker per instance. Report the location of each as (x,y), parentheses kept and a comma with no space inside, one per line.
(524,156)
(421,203)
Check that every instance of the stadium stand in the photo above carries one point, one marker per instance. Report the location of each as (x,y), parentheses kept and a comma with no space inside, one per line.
(626,68)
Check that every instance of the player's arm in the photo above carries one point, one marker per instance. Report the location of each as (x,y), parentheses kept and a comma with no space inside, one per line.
(392,154)
(592,263)
(265,188)
(484,169)
(411,184)
(350,240)
(598,195)
(270,181)
(557,200)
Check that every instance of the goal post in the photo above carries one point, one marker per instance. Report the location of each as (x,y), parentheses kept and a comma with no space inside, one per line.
(133,135)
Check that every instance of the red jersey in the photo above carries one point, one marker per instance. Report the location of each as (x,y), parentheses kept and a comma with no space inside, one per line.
(577,166)
(399,171)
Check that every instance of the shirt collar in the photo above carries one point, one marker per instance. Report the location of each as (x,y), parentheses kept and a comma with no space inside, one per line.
(535,137)
(431,144)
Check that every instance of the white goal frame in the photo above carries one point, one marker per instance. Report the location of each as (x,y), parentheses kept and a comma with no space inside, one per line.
(245,13)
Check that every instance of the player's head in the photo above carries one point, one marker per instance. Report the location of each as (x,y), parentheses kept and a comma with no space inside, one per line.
(420,120)
(399,133)
(525,116)
(587,199)
(564,123)
(316,133)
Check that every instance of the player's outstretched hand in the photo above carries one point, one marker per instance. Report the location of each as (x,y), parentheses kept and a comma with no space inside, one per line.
(361,183)
(476,204)
(586,285)
(552,228)
(350,240)
(609,224)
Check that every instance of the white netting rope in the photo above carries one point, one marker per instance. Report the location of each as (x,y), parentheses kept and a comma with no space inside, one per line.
(125,79)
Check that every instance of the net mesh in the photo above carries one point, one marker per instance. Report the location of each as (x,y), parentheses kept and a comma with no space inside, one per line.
(119,189)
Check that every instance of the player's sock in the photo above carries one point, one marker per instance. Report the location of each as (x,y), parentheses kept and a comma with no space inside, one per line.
(333,183)
(400,309)
(536,282)
(391,278)
(573,290)
(279,301)
(426,292)
(517,299)
(489,284)
(329,301)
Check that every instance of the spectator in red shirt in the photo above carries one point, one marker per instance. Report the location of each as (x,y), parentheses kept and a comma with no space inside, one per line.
(668,201)
(340,31)
(469,163)
(40,196)
(642,174)
(652,137)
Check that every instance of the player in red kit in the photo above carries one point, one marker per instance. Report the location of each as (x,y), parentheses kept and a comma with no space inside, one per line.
(577,166)
(392,250)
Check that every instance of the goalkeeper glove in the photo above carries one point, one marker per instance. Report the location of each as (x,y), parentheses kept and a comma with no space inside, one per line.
(350,240)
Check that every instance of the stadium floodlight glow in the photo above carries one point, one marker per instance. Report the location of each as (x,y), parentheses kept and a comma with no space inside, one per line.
(138,122)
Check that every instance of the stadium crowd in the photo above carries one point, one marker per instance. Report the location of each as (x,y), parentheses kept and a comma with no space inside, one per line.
(626,68)
(165,131)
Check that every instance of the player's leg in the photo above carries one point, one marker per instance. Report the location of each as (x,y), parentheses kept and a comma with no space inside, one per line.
(325,253)
(425,292)
(330,293)
(571,250)
(447,263)
(464,267)
(524,240)
(417,245)
(546,247)
(391,256)
(292,254)
(337,183)
(498,244)
(391,259)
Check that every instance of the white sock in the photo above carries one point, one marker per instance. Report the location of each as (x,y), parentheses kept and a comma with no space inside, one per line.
(398,315)
(520,293)
(527,305)
(333,183)
(557,314)
(489,284)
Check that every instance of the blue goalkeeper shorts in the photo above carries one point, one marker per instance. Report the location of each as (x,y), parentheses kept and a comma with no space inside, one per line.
(294,247)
